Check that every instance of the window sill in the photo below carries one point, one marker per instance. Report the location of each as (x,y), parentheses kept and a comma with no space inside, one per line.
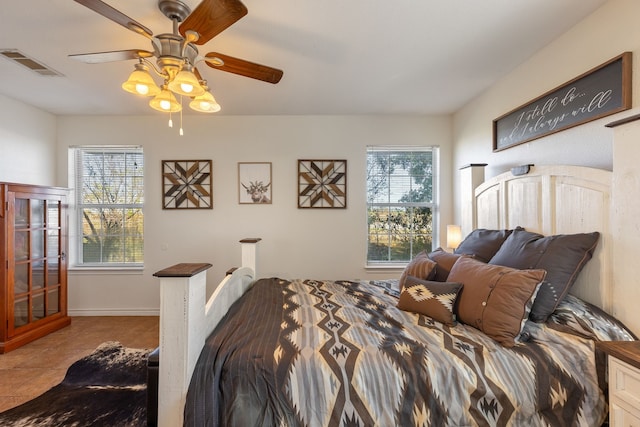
(115,270)
(384,268)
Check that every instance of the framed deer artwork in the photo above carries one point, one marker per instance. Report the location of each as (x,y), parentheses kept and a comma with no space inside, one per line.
(254,183)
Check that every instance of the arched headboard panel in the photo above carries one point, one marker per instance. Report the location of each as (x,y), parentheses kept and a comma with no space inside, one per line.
(556,200)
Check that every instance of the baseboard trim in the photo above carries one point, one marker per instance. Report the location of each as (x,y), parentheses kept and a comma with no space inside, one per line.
(113,312)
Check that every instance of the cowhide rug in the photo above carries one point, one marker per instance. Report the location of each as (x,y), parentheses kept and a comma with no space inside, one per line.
(106,388)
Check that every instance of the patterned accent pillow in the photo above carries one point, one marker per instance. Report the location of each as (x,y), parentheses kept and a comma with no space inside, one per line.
(445,261)
(495,299)
(562,256)
(433,299)
(421,267)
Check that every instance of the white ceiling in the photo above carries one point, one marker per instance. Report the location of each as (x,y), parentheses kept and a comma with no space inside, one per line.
(338,56)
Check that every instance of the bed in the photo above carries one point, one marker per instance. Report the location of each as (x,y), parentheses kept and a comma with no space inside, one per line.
(314,352)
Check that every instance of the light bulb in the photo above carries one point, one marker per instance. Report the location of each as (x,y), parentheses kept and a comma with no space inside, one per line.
(205,105)
(142,89)
(165,105)
(140,82)
(186,87)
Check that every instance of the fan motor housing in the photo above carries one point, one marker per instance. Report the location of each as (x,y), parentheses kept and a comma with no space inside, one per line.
(169,51)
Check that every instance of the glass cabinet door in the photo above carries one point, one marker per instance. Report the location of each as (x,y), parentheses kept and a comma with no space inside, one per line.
(34,269)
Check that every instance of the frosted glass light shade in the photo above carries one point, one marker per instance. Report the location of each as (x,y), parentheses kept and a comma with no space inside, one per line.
(205,103)
(185,83)
(140,82)
(454,236)
(166,102)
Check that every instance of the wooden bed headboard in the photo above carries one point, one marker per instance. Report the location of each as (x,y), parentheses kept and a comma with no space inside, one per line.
(556,200)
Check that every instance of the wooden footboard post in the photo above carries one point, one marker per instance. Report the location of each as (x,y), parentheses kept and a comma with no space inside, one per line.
(249,253)
(182,310)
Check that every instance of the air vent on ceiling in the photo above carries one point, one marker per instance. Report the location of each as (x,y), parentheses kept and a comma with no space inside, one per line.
(35,66)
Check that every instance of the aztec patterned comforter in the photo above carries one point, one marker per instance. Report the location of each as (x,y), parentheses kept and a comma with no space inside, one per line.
(323,353)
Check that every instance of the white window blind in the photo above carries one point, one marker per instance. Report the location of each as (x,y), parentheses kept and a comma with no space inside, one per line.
(401,202)
(109,184)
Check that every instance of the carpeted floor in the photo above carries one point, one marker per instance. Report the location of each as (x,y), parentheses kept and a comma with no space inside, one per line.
(106,388)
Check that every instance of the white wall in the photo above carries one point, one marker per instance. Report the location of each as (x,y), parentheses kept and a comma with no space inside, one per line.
(27,144)
(309,243)
(608,32)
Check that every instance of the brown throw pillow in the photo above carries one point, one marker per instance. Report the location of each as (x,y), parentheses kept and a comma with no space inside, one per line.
(562,256)
(433,299)
(420,266)
(495,299)
(445,261)
(483,244)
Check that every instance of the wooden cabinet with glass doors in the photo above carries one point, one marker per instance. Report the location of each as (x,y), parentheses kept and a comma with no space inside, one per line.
(33,265)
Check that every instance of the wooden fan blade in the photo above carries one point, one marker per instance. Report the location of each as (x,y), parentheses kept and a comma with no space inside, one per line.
(230,64)
(116,16)
(211,17)
(116,55)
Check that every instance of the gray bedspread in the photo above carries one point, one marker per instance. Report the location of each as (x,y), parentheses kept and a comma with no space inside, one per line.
(339,353)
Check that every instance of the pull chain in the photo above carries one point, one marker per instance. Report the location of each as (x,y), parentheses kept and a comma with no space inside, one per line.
(181,131)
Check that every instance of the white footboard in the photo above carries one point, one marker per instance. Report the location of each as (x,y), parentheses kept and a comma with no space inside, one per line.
(186,319)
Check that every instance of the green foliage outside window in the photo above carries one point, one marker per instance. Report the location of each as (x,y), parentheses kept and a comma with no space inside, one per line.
(400,200)
(110,205)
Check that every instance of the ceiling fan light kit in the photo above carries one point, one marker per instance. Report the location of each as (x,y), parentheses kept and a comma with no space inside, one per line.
(205,103)
(177,55)
(140,82)
(185,83)
(165,102)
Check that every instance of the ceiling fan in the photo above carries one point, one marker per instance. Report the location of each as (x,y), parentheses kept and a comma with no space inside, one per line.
(176,53)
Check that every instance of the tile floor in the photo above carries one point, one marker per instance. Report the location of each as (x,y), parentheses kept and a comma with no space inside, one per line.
(36,367)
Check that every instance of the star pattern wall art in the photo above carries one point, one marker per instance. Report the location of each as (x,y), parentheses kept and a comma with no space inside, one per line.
(322,184)
(187,184)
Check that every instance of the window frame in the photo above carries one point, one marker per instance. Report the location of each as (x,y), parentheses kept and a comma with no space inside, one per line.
(434,205)
(76,234)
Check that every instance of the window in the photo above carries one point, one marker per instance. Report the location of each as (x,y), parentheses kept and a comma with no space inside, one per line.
(109,196)
(401,202)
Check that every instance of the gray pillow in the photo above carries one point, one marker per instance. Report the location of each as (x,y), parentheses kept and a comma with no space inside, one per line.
(562,256)
(482,244)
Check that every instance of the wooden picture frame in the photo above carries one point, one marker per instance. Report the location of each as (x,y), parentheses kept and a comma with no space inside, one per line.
(600,92)
(187,184)
(254,183)
(322,184)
